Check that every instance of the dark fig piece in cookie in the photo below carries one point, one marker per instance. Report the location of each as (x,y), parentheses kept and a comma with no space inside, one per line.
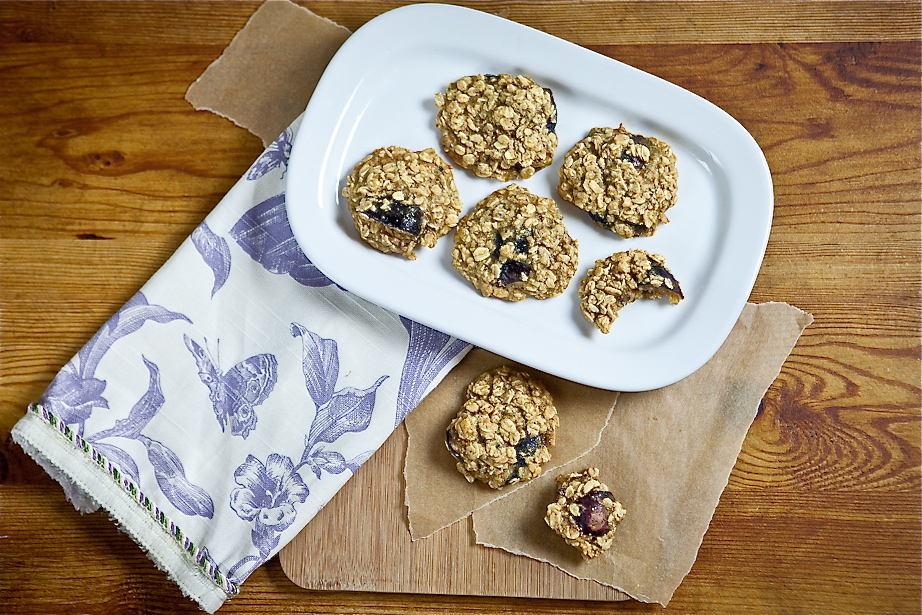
(403,217)
(661,280)
(593,519)
(552,119)
(636,161)
(513,272)
(526,448)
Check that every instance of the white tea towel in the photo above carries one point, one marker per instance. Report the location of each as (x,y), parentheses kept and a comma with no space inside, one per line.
(220,408)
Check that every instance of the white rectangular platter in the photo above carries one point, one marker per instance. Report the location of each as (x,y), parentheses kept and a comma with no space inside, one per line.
(378,91)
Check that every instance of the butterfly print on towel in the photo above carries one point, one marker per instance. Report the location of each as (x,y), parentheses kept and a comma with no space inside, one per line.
(236,393)
(273,157)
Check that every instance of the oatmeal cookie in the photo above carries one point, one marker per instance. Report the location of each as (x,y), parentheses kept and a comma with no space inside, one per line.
(514,245)
(498,126)
(400,199)
(503,432)
(621,278)
(624,181)
(586,513)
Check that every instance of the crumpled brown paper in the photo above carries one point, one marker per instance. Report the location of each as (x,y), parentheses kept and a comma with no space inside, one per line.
(268,72)
(666,455)
(437,494)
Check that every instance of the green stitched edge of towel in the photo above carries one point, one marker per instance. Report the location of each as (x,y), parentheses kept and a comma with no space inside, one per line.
(197,555)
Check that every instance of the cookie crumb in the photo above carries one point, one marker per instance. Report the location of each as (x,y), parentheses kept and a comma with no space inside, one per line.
(586,514)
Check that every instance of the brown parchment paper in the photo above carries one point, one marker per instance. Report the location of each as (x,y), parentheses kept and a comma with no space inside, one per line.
(437,494)
(268,72)
(666,455)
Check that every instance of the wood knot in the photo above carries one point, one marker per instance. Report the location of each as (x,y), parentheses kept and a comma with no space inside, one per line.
(102,161)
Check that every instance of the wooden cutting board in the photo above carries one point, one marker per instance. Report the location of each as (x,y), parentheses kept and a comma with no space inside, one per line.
(361,541)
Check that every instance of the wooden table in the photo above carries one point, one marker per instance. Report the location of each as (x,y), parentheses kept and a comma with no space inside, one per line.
(104,169)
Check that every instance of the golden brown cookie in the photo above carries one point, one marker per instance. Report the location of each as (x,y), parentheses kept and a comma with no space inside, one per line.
(505,429)
(621,278)
(586,513)
(498,126)
(400,199)
(514,245)
(624,181)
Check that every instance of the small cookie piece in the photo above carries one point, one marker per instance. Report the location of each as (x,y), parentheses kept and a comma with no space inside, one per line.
(503,432)
(400,199)
(621,278)
(625,181)
(586,513)
(514,245)
(498,126)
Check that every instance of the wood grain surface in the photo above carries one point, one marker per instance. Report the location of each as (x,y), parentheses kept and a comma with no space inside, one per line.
(105,169)
(585,22)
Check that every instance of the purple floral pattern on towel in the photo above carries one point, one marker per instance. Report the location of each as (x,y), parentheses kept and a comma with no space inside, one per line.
(72,397)
(267,493)
(428,352)
(265,488)
(75,392)
(338,411)
(215,253)
(169,473)
(265,234)
(187,498)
